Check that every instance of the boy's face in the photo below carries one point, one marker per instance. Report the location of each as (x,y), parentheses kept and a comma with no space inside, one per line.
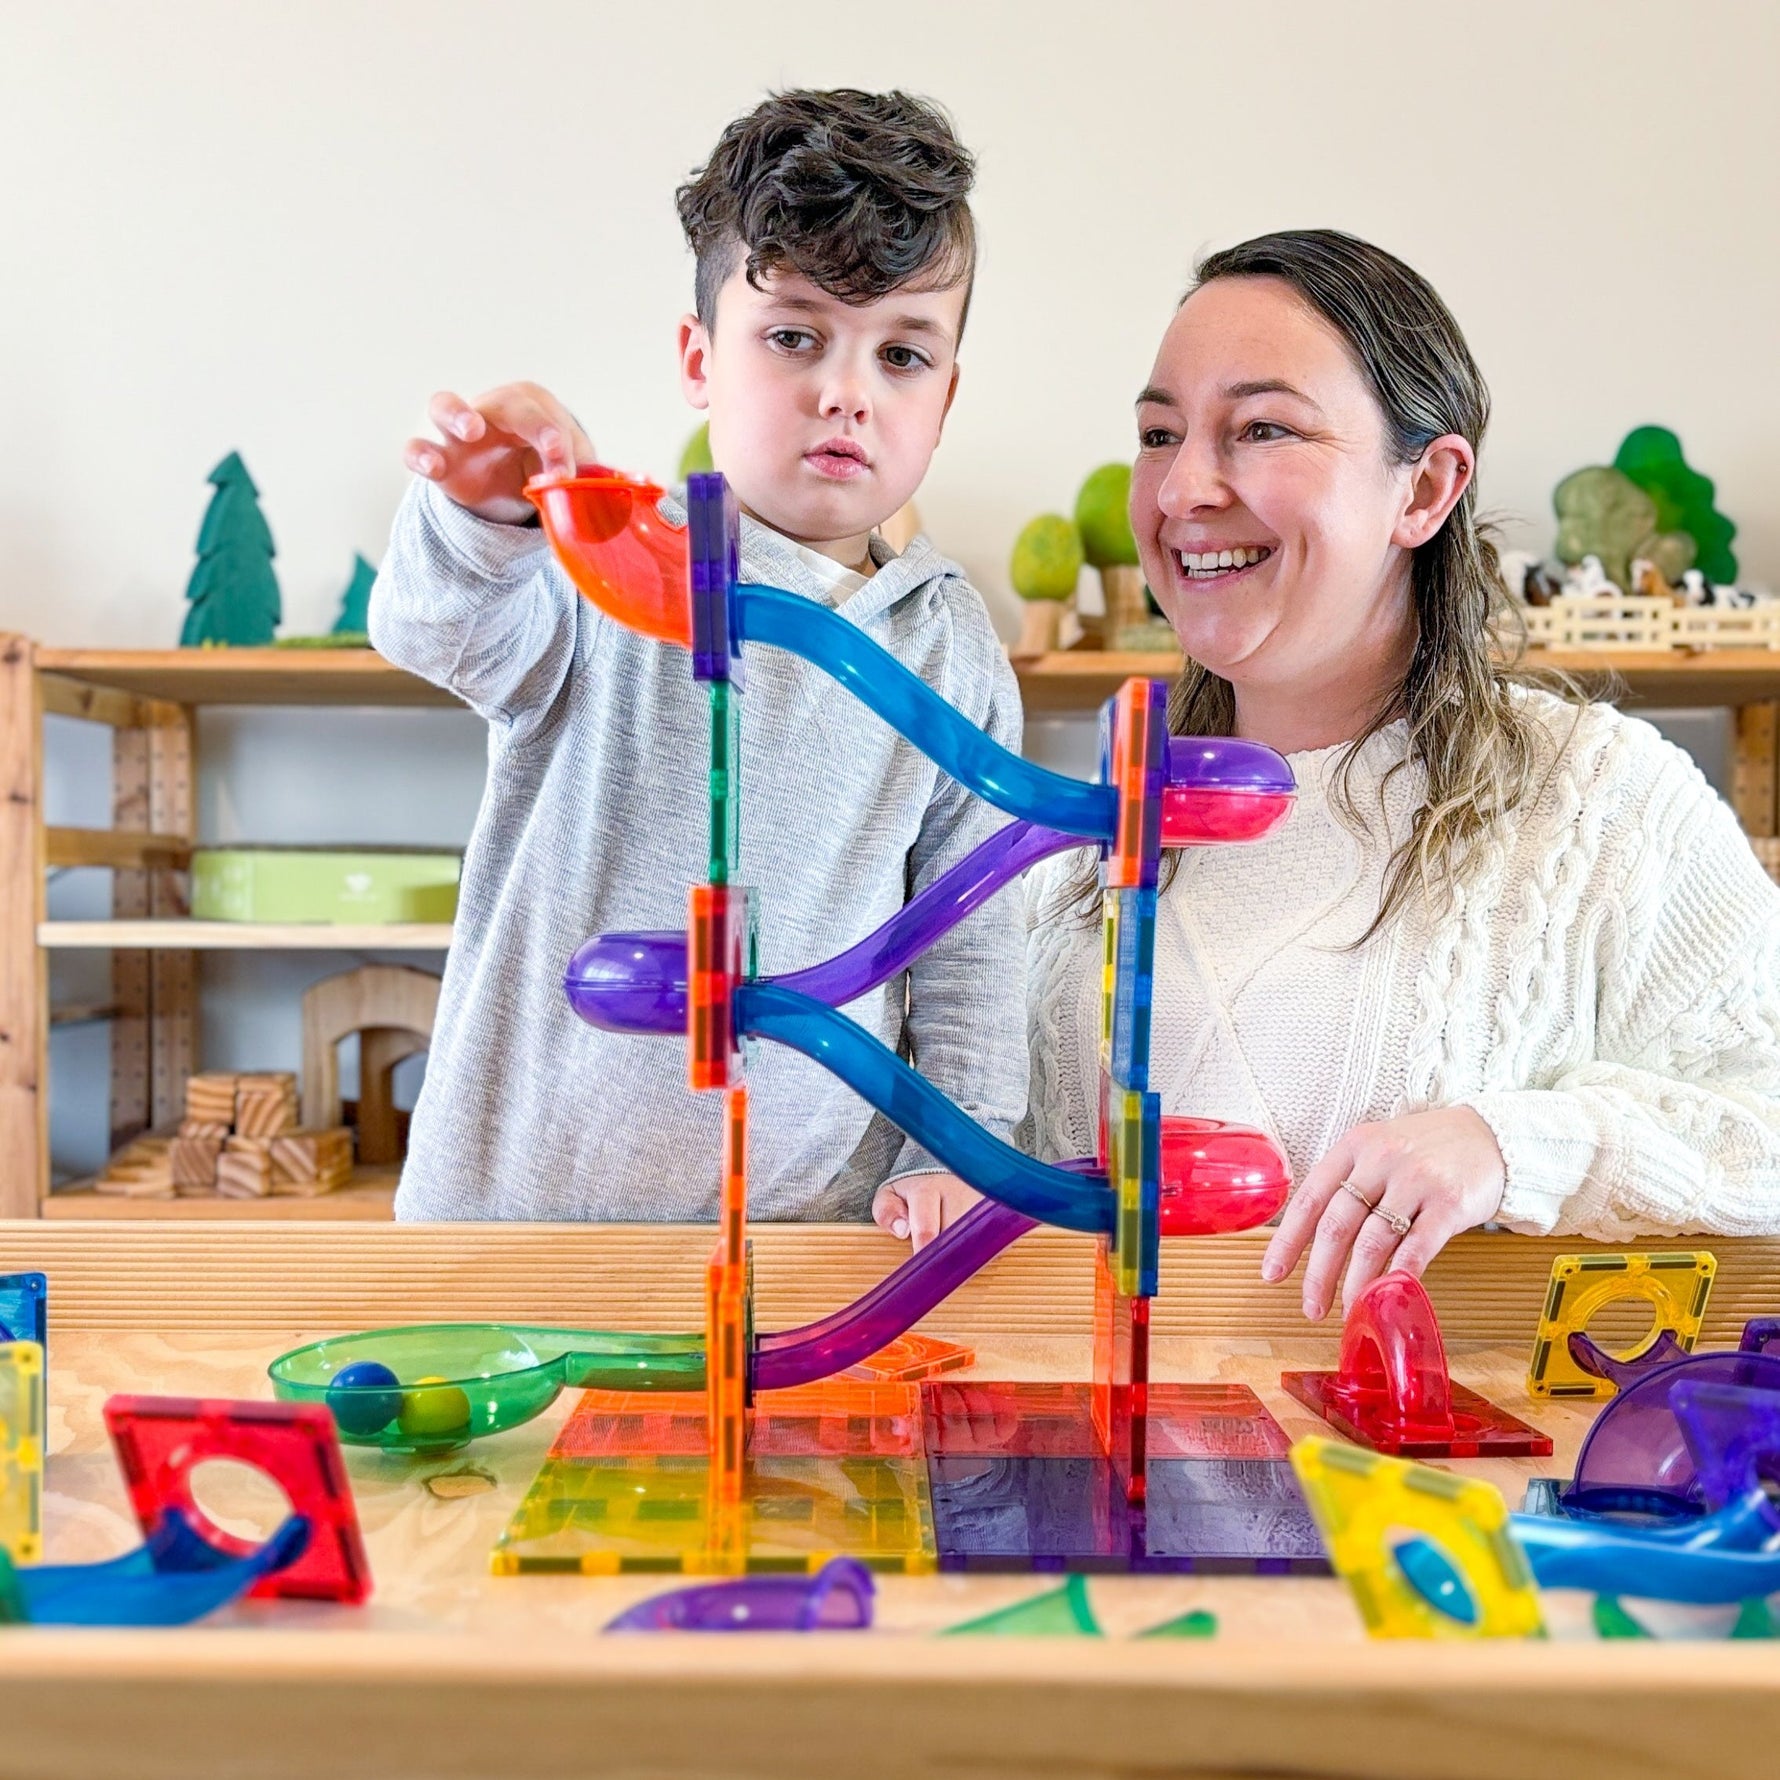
(823,414)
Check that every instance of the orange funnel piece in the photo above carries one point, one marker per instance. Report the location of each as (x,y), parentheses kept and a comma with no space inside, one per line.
(607,533)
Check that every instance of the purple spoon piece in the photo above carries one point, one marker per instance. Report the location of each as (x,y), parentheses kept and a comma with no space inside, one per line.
(1759,1334)
(838,1598)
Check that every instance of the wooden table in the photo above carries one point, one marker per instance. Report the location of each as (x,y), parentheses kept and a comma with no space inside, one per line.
(453,1672)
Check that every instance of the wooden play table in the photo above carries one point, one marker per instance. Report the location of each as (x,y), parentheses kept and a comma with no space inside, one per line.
(452,1673)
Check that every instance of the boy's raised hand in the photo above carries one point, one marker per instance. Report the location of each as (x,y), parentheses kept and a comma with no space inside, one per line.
(490,448)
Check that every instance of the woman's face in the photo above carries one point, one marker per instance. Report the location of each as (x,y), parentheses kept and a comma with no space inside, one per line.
(1271,524)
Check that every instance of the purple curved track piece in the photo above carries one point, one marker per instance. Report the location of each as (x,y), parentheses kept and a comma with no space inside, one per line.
(924,918)
(1226,763)
(894,1305)
(1599,1363)
(1636,1455)
(838,1598)
(636,982)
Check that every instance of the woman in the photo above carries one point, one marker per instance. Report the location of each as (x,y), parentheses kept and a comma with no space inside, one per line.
(1510,958)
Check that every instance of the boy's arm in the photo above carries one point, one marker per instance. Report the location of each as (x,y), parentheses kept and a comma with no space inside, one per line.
(474,606)
(966,1020)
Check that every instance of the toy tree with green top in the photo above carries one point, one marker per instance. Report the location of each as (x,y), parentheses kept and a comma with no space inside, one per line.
(355,602)
(1652,457)
(233,591)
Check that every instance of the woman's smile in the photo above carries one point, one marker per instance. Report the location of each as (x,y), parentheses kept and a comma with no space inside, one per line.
(1218,567)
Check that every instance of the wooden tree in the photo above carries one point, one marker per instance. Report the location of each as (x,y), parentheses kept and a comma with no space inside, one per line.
(233,591)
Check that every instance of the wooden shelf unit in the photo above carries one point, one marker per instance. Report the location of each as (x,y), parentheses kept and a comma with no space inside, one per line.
(149,700)
(1747,680)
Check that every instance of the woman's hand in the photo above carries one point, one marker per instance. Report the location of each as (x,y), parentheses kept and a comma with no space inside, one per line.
(1440,1170)
(919,1206)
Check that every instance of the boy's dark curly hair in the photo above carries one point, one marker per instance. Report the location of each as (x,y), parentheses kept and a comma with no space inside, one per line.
(862,193)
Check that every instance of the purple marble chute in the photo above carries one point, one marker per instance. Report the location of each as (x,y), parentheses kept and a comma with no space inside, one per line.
(636,982)
(893,1306)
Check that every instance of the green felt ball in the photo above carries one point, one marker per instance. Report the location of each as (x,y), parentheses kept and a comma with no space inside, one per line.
(1047,558)
(1103,517)
(441,1409)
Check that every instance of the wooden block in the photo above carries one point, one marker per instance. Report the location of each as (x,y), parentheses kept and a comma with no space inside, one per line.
(193,1161)
(198,1128)
(305,1163)
(140,1170)
(210,1099)
(265,1105)
(244,1169)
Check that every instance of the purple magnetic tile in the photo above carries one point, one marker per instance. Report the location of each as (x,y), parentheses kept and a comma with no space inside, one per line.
(1241,1516)
(712,566)
(1235,1516)
(1016,1514)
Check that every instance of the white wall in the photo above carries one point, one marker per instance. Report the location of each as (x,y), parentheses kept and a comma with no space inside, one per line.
(233,224)
(277,227)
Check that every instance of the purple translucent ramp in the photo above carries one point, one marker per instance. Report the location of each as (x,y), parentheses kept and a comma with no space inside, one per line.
(893,1306)
(1636,1456)
(636,982)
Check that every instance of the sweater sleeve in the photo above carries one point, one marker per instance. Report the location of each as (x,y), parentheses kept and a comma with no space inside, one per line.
(966,1021)
(475,607)
(1674,1125)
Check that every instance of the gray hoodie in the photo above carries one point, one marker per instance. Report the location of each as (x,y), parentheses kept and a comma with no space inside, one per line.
(595,817)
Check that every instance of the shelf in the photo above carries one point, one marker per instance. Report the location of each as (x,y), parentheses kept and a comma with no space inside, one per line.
(241,936)
(368,1198)
(246,676)
(1080,679)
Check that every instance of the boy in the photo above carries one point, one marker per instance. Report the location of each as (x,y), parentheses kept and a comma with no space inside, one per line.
(835,250)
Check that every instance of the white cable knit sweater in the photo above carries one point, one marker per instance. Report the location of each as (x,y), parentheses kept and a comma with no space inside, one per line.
(1606,994)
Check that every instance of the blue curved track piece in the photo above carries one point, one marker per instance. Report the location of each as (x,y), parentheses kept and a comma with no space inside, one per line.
(881,1079)
(913,709)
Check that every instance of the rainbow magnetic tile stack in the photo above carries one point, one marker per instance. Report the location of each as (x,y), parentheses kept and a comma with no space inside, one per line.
(606,1517)
(21,1450)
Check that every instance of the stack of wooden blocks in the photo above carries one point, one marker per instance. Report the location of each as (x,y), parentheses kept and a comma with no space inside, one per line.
(240,1139)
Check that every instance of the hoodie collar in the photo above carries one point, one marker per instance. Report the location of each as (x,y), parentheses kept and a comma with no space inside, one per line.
(769,559)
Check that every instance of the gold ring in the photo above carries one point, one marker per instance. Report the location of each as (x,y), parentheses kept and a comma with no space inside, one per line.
(1395,1219)
(1348,1186)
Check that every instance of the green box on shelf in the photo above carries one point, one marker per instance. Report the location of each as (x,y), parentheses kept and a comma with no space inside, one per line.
(366,886)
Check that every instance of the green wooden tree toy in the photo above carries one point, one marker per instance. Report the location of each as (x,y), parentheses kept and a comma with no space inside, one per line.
(355,603)
(233,591)
(1652,457)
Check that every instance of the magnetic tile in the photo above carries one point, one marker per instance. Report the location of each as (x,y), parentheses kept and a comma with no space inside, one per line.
(605,1517)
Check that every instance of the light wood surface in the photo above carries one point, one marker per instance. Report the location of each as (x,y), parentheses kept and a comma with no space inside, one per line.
(452,1672)
(243,676)
(1078,679)
(246,936)
(116,849)
(24,976)
(369,1197)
